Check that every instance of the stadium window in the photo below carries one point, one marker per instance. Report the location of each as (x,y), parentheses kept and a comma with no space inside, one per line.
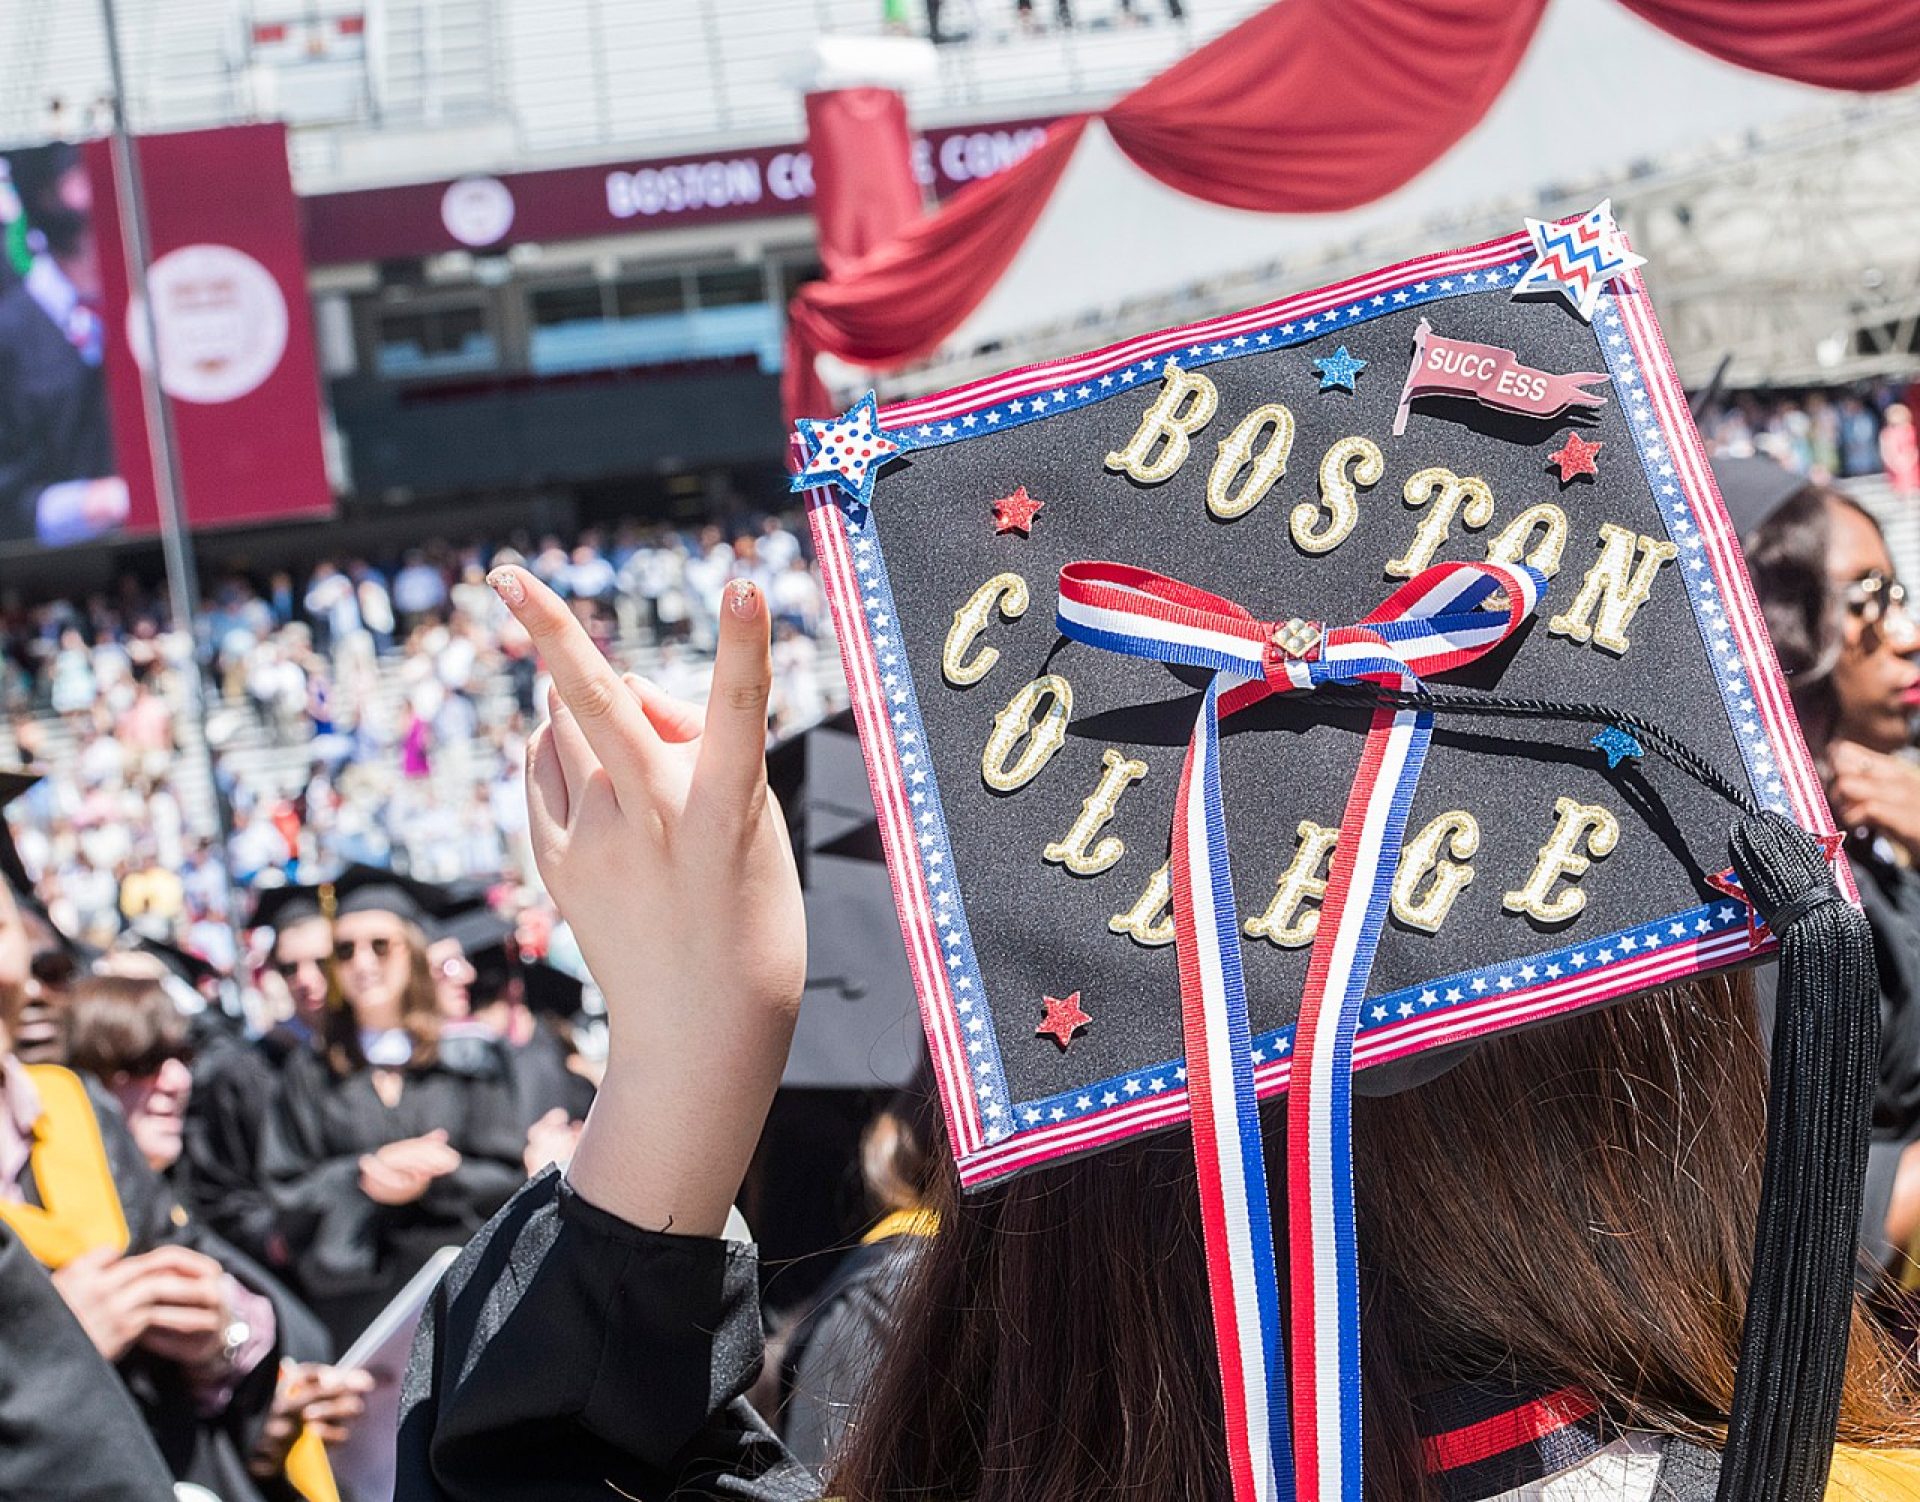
(729,286)
(650,296)
(577,303)
(442,339)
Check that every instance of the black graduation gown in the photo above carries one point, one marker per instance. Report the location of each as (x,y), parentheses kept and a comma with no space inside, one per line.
(69,1431)
(351,1256)
(836,1345)
(210,1451)
(1890,896)
(542,1081)
(568,1354)
(219,1173)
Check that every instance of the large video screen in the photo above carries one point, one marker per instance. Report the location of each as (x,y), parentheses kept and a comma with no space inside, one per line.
(236,345)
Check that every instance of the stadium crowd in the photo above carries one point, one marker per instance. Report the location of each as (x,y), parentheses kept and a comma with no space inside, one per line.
(1825,435)
(364,713)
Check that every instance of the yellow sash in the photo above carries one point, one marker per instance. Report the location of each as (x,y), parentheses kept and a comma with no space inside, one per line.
(70,1171)
(904,1223)
(1874,1475)
(308,1470)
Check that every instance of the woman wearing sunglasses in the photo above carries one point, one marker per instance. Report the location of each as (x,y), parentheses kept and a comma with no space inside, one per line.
(1841,623)
(389,1141)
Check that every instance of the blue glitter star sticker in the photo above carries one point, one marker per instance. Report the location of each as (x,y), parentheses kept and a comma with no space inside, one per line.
(1617,746)
(846,451)
(1338,369)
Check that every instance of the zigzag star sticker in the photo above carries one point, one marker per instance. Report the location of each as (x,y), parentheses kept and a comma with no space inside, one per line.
(846,451)
(1574,261)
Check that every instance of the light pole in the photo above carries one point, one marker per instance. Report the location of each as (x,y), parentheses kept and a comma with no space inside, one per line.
(163,443)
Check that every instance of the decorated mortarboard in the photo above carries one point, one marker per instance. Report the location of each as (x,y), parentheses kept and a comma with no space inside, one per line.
(1278,703)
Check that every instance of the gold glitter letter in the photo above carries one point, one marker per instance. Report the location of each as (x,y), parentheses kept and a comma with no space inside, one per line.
(1616,585)
(1015,721)
(1166,427)
(1301,882)
(1070,850)
(1337,494)
(1560,856)
(1149,920)
(1512,543)
(972,618)
(1236,451)
(1446,491)
(1459,831)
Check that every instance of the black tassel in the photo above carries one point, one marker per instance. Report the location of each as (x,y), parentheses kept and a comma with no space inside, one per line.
(1826,1041)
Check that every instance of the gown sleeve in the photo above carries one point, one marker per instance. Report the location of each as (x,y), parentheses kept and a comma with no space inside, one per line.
(221,1149)
(319,1209)
(569,1355)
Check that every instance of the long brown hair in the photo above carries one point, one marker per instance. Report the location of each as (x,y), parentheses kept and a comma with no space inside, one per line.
(1571,1206)
(419,1015)
(1787,557)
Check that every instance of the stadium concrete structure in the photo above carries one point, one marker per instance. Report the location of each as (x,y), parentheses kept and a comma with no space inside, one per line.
(550,242)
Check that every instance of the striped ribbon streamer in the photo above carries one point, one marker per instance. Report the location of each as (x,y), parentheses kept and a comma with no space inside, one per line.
(1444,619)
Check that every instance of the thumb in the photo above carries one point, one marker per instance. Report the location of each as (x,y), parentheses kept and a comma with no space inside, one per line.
(733,751)
(438,1134)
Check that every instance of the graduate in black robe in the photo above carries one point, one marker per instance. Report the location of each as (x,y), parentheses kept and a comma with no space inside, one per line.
(234,1079)
(70,1430)
(391,1141)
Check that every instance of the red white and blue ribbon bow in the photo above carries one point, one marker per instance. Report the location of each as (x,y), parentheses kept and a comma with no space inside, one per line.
(1444,619)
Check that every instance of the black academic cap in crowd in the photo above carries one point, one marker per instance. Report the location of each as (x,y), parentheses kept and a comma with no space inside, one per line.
(281,908)
(1466,490)
(478,930)
(857,1027)
(182,964)
(1754,489)
(14,785)
(551,990)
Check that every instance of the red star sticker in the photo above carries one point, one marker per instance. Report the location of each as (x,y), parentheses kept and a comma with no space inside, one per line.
(1064,1018)
(1015,512)
(1575,457)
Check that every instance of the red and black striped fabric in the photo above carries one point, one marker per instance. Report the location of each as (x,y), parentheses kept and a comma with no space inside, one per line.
(1481,1441)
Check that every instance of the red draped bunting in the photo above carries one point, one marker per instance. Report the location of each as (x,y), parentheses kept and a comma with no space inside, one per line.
(1866,45)
(1306,106)
(864,188)
(1314,105)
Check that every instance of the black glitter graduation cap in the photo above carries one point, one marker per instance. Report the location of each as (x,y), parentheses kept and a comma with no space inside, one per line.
(1280,702)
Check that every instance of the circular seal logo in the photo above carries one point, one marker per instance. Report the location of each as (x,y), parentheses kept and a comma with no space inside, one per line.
(222,323)
(477,210)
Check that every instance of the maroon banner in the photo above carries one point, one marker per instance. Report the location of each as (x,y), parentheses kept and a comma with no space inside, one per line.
(236,338)
(623,198)
(1490,375)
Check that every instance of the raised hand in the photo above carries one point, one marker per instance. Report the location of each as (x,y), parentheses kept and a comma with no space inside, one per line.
(656,834)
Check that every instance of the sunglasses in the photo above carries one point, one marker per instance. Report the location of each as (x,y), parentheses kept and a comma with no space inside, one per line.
(146,1065)
(346,949)
(1870,597)
(53,968)
(288,969)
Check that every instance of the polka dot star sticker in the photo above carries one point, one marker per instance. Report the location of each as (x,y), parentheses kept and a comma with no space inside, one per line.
(1338,369)
(1064,1018)
(1575,457)
(1015,513)
(846,451)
